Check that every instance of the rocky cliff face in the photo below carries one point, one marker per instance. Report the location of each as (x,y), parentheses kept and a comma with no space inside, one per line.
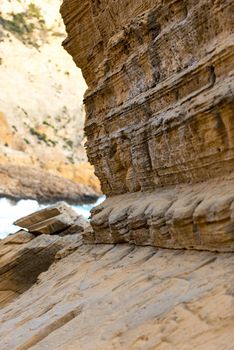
(159,123)
(41,108)
(160,134)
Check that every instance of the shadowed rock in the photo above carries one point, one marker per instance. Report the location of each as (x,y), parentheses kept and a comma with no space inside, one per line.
(23,257)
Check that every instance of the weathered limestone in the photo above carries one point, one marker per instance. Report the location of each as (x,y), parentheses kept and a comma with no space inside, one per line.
(23,257)
(41,105)
(160,121)
(199,216)
(30,182)
(57,219)
(104,297)
(160,133)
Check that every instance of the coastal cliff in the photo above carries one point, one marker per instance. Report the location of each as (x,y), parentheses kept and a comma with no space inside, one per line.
(41,107)
(159,118)
(160,134)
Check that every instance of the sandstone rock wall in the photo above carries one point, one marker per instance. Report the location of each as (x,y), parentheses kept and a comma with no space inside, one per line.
(159,117)
(160,134)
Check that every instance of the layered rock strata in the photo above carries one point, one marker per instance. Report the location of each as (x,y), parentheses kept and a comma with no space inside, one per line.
(26,254)
(159,118)
(57,219)
(193,217)
(102,297)
(28,182)
(23,257)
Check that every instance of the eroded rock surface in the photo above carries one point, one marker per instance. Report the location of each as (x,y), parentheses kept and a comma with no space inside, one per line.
(193,217)
(159,118)
(31,182)
(23,257)
(104,297)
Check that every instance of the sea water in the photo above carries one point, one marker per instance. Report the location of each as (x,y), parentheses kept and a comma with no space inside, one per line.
(11,211)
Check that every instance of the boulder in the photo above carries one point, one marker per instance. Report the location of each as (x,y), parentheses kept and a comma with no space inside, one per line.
(56,219)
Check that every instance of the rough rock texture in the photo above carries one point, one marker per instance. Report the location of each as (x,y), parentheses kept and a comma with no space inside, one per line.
(104,297)
(57,219)
(159,117)
(199,216)
(160,134)
(23,257)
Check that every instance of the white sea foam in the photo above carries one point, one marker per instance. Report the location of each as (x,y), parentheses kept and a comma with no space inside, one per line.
(11,211)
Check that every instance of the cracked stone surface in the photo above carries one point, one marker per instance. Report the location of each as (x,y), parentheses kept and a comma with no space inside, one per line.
(23,257)
(125,297)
